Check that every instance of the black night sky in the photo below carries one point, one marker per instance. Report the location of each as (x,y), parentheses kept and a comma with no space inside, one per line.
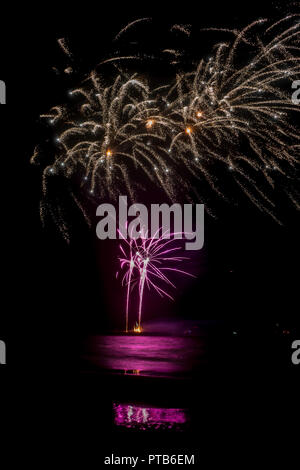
(54,294)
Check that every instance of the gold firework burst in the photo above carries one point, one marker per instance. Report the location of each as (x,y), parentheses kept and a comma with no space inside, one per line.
(233,111)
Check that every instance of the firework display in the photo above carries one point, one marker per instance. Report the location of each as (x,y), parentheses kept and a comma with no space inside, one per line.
(148,261)
(229,122)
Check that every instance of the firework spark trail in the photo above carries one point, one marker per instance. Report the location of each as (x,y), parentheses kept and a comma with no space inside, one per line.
(127,277)
(148,259)
(185,29)
(130,25)
(113,138)
(221,103)
(232,112)
(64,46)
(143,277)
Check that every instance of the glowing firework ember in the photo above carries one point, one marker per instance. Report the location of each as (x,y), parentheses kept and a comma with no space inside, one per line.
(233,112)
(148,262)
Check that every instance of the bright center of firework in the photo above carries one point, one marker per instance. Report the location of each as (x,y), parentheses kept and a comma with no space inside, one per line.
(199,114)
(188,130)
(137,329)
(108,153)
(149,123)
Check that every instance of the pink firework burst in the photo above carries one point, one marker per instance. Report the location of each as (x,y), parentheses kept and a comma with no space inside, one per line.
(149,262)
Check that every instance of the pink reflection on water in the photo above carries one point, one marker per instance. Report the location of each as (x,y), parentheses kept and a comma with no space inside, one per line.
(147,355)
(147,417)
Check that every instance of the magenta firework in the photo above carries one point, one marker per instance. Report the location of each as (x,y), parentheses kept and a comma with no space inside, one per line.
(149,262)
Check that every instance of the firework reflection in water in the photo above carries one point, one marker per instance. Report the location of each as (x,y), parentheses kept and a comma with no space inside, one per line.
(133,416)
